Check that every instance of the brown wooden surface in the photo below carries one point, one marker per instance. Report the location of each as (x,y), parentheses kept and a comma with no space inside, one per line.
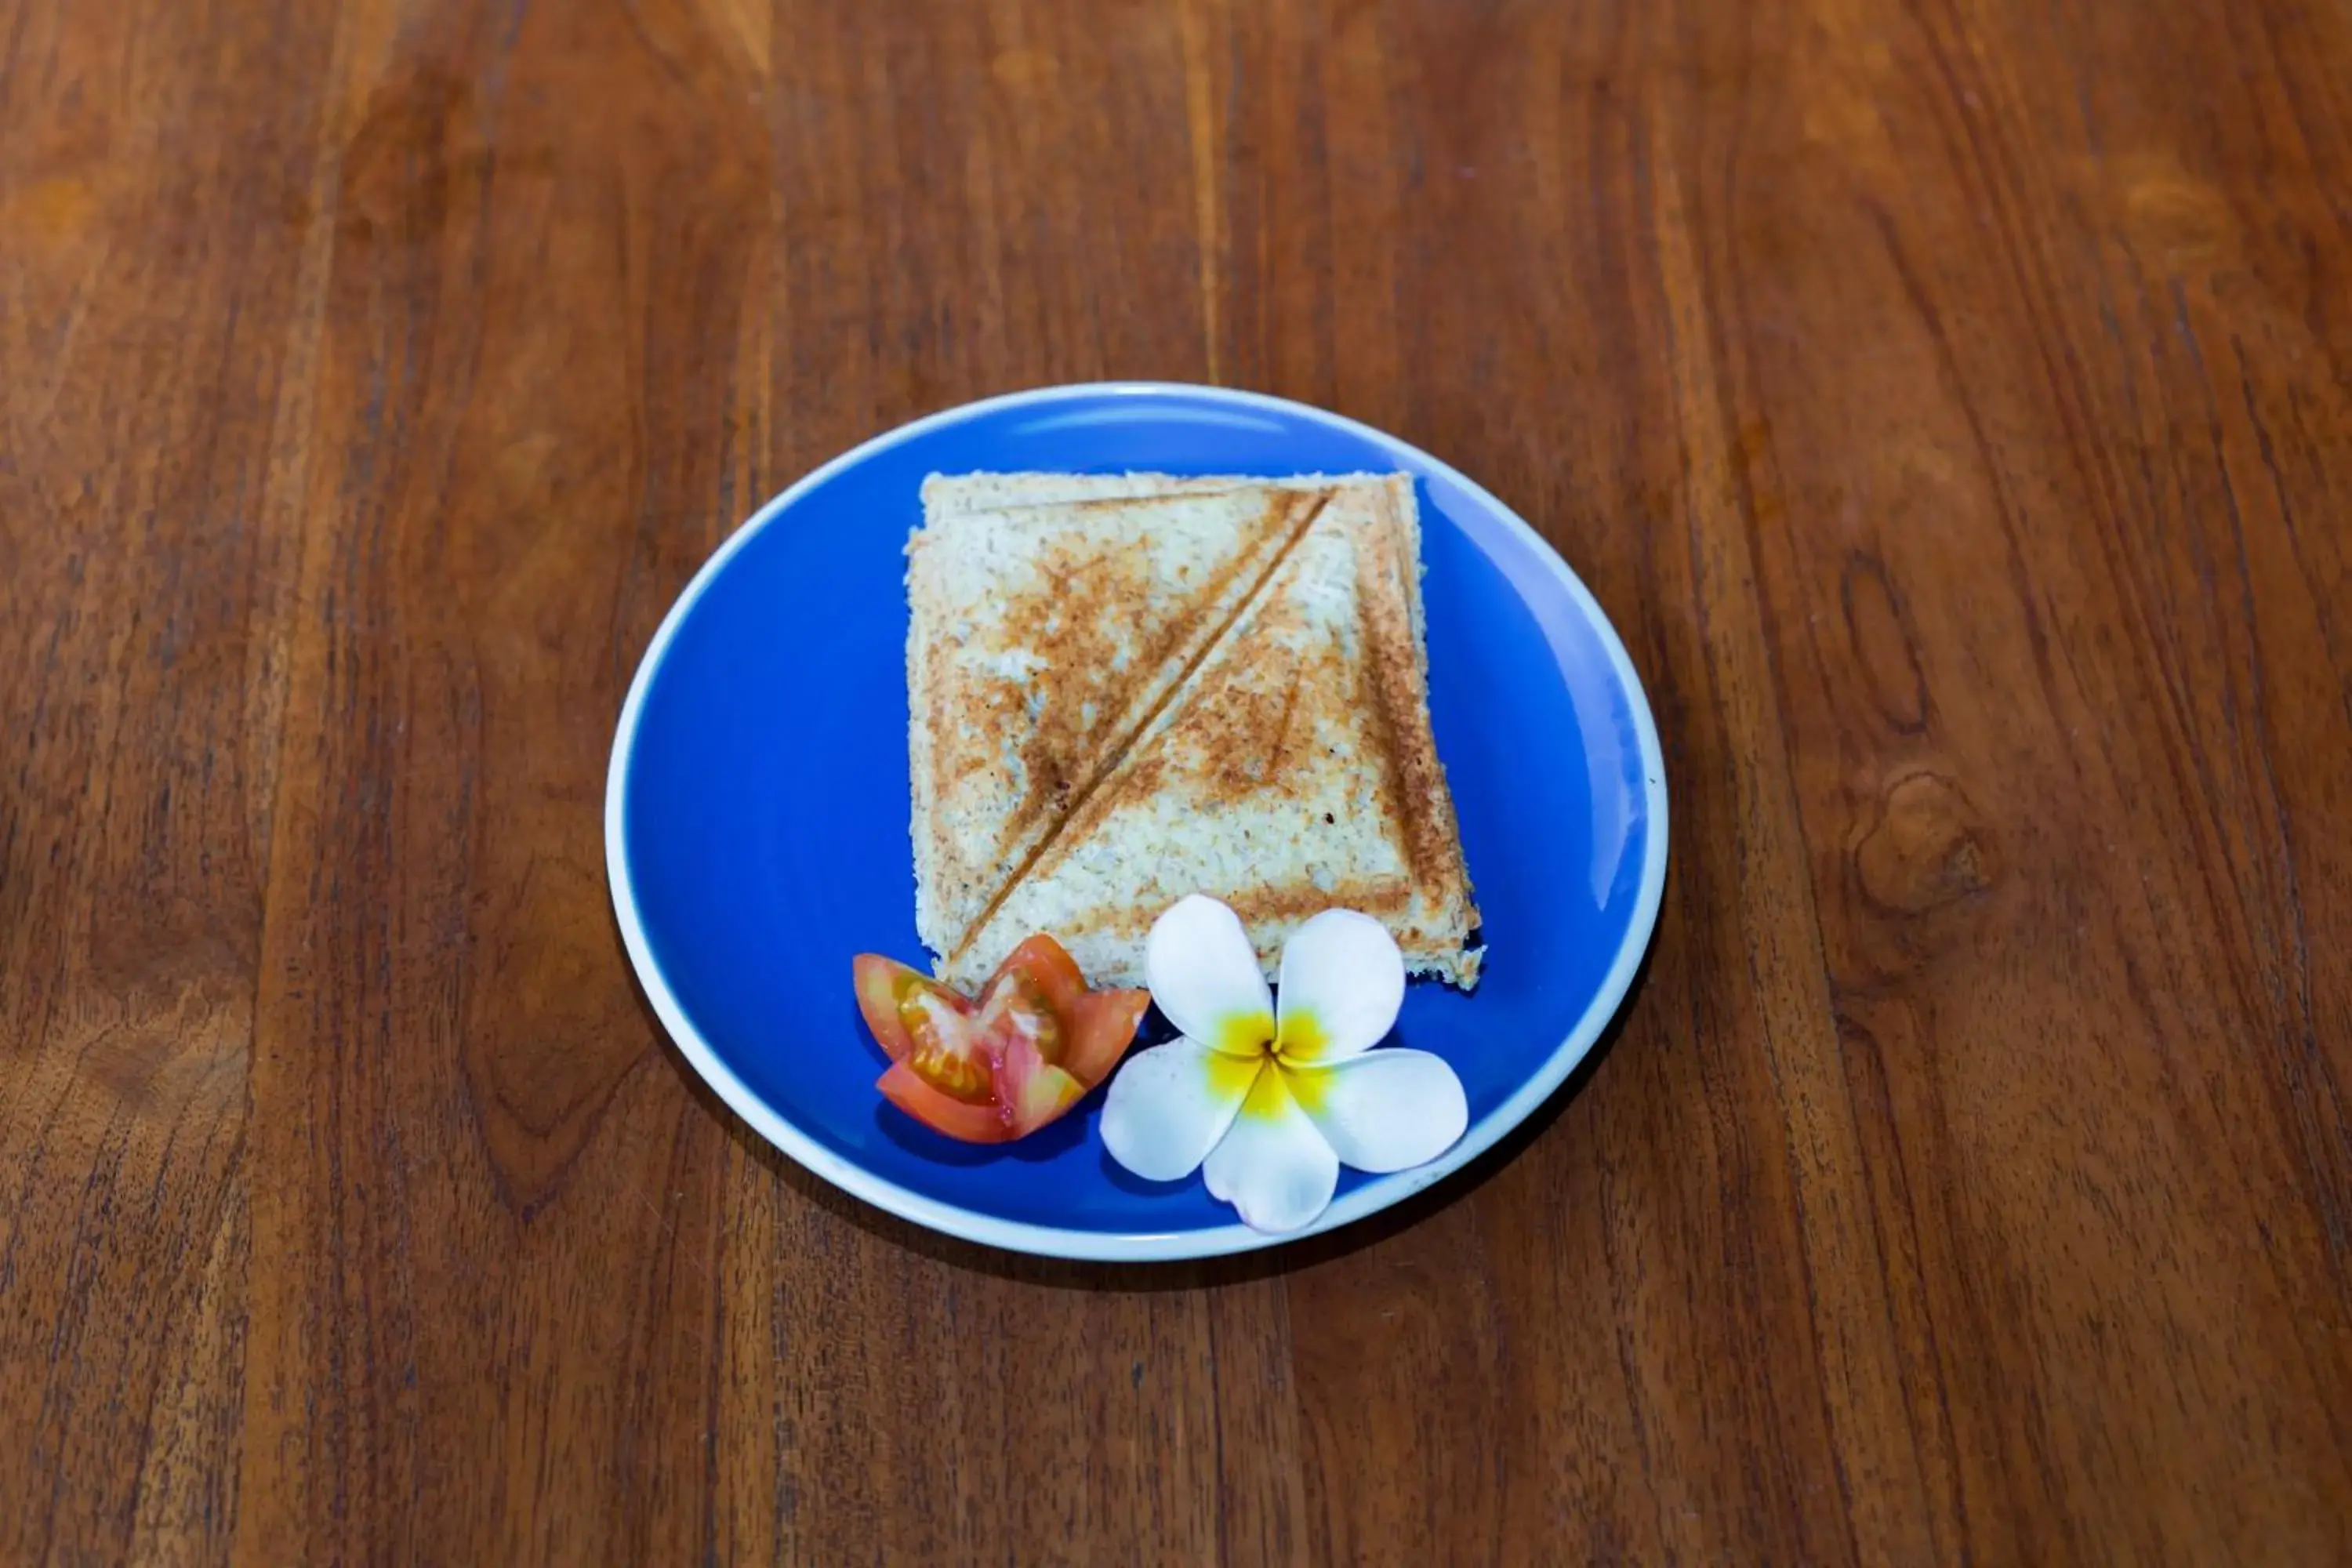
(1950,401)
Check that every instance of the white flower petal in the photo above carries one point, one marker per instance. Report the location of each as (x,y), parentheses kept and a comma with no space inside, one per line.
(1384,1111)
(1342,982)
(1203,973)
(1169,1106)
(1273,1166)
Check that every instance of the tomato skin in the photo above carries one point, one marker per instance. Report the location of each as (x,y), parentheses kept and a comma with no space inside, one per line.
(1102,1027)
(879,980)
(1047,966)
(987,1072)
(943,1113)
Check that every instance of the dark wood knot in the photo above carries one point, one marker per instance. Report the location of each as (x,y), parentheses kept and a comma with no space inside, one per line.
(1926,847)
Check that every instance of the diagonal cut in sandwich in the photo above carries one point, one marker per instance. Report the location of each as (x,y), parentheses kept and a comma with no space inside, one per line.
(1126,688)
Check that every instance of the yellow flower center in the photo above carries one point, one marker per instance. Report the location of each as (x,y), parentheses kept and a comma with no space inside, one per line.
(1233,1075)
(1249,1043)
(1299,1041)
(1249,1035)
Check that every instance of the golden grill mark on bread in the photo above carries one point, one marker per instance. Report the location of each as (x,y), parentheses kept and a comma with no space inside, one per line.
(1073,740)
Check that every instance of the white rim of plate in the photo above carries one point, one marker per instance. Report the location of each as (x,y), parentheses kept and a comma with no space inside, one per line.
(1128,1247)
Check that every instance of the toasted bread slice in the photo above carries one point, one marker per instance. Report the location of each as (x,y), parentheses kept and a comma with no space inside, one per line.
(1293,771)
(1042,640)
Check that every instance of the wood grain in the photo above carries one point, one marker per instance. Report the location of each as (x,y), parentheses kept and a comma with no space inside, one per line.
(1950,401)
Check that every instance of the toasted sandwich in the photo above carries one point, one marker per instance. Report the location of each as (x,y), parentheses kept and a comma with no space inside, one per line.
(1126,688)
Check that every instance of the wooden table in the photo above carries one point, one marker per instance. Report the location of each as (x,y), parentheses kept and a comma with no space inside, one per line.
(1950,401)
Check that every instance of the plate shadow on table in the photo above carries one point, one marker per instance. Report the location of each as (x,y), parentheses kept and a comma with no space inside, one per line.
(1190,1274)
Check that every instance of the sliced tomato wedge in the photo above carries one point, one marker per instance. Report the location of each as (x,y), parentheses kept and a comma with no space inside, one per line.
(1001,1066)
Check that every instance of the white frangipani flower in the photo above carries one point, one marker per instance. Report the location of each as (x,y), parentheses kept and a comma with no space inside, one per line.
(1269,1105)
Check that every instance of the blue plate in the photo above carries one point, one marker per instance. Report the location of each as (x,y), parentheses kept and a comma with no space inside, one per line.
(756,813)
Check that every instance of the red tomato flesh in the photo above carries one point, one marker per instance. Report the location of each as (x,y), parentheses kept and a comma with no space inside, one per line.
(999,1068)
(971,1123)
(1102,1025)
